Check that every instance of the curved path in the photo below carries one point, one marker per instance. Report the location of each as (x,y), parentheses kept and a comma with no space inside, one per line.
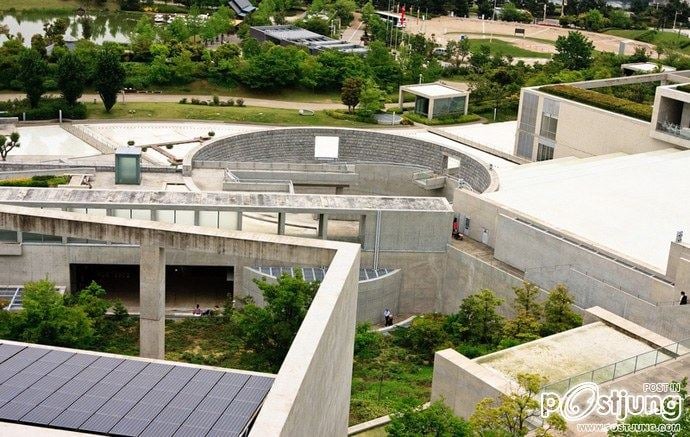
(174,98)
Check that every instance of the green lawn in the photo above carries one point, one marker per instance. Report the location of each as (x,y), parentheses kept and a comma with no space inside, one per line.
(505,48)
(251,114)
(654,37)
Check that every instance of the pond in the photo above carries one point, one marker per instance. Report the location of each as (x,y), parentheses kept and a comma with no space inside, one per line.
(105,26)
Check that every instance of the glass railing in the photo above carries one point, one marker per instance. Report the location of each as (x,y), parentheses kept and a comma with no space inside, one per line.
(622,368)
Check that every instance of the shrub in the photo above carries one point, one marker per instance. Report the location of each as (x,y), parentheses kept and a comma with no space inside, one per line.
(216,100)
(183,100)
(35,181)
(599,100)
(425,335)
(47,109)
(195,101)
(231,102)
(240,102)
(455,119)
(367,342)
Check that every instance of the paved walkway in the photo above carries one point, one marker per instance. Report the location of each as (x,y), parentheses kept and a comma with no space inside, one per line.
(174,98)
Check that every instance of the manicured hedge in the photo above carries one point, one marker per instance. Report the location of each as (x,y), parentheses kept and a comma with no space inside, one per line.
(599,100)
(36,181)
(457,119)
(47,109)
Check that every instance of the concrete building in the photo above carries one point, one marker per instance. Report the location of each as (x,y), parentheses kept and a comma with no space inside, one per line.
(293,35)
(436,100)
(551,127)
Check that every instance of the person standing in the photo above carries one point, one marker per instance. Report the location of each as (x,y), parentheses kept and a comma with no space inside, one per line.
(388,316)
(683,298)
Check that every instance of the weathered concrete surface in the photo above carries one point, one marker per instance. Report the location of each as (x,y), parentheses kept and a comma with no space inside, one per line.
(152,302)
(461,383)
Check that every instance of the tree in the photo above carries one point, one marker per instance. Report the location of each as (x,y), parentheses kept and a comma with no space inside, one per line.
(367,342)
(370,99)
(86,26)
(33,69)
(461,8)
(6,147)
(130,5)
(485,9)
(38,43)
(109,76)
(55,31)
(620,19)
(71,76)
(268,332)
(436,420)
(425,335)
(458,51)
(349,94)
(513,411)
(558,312)
(477,321)
(574,51)
(594,20)
(46,319)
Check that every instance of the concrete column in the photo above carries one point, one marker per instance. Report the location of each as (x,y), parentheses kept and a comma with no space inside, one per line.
(281,223)
(430,114)
(239,220)
(323,226)
(400,99)
(683,276)
(467,103)
(152,301)
(362,230)
(197,215)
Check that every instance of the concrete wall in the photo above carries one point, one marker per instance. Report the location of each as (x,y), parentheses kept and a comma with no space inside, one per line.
(536,253)
(416,231)
(311,394)
(465,275)
(585,130)
(356,146)
(421,278)
(373,297)
(461,383)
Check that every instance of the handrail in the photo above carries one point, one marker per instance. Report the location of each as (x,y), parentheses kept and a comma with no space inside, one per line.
(623,367)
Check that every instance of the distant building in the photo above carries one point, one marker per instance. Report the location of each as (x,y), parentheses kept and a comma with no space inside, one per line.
(242,8)
(434,100)
(288,34)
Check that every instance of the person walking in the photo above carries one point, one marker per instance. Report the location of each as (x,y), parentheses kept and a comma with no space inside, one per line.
(683,298)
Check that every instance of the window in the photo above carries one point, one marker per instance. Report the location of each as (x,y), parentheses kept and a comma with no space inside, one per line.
(528,116)
(549,125)
(525,145)
(544,152)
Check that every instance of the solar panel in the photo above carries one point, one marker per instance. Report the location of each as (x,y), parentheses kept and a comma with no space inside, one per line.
(130,397)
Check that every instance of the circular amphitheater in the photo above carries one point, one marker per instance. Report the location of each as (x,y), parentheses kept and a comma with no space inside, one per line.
(297,145)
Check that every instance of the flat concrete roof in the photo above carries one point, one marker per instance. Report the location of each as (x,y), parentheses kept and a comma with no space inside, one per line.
(647,67)
(113,394)
(632,204)
(566,354)
(497,136)
(216,200)
(433,90)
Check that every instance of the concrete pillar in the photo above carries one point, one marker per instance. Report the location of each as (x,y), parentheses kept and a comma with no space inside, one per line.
(197,217)
(281,223)
(239,220)
(152,301)
(683,276)
(400,99)
(430,114)
(467,103)
(323,226)
(362,230)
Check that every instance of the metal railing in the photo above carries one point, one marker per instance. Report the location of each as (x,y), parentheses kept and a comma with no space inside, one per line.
(622,368)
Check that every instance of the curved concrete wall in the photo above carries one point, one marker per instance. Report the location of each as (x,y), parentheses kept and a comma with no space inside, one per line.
(356,146)
(373,297)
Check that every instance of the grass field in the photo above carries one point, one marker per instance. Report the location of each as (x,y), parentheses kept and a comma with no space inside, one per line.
(176,111)
(664,37)
(505,48)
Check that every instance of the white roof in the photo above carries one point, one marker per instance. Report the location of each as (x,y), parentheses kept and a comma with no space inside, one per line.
(646,67)
(434,90)
(630,204)
(497,136)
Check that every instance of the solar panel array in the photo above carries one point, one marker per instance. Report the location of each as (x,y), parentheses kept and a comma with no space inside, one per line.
(318,273)
(13,297)
(109,395)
